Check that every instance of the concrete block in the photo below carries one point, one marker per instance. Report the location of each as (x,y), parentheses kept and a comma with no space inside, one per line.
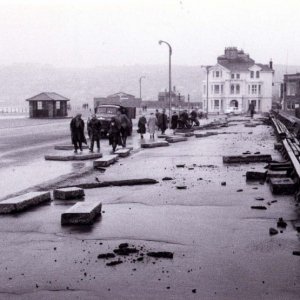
(277,146)
(247,158)
(176,139)
(184,130)
(123,152)
(255,175)
(205,134)
(68,147)
(22,202)
(185,134)
(82,213)
(105,161)
(69,156)
(68,193)
(277,174)
(155,144)
(283,186)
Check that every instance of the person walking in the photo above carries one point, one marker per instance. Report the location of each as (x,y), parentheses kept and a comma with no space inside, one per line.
(94,128)
(174,120)
(114,133)
(157,115)
(152,123)
(142,126)
(163,121)
(77,133)
(125,126)
(251,109)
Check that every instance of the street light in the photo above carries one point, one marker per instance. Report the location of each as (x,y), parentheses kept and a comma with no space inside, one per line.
(140,80)
(207,71)
(170,83)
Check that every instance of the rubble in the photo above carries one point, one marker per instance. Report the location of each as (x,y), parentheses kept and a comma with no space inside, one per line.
(273,231)
(161,254)
(283,186)
(247,158)
(297,253)
(281,223)
(106,256)
(261,207)
(167,178)
(255,175)
(114,263)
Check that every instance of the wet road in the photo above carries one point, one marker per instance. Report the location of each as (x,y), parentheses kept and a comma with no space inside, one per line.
(222,249)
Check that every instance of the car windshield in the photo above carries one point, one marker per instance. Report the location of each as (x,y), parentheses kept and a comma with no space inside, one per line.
(107,110)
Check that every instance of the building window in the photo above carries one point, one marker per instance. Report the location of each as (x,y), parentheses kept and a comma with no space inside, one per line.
(251,74)
(257,74)
(232,76)
(237,76)
(216,89)
(222,89)
(254,89)
(39,105)
(259,89)
(217,104)
(231,89)
(212,88)
(204,89)
(248,88)
(237,89)
(217,74)
(57,104)
(291,88)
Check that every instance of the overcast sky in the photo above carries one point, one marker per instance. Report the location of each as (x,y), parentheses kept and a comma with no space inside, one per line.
(91,33)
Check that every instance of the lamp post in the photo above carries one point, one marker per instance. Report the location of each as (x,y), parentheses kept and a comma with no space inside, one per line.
(207,71)
(140,80)
(170,80)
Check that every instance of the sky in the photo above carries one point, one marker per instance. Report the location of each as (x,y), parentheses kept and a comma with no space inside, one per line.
(92,33)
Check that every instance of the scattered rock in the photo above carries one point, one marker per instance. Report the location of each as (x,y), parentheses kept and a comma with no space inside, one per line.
(194,291)
(123,245)
(161,254)
(125,251)
(240,190)
(106,255)
(273,231)
(181,187)
(258,207)
(281,223)
(167,178)
(223,183)
(180,165)
(259,199)
(114,263)
(297,253)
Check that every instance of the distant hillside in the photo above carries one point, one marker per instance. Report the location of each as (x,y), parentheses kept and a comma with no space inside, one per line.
(19,82)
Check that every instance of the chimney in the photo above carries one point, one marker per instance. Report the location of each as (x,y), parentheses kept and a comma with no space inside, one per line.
(271,64)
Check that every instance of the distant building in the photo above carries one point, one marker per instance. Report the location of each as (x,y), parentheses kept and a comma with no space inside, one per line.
(48,105)
(120,98)
(176,97)
(236,81)
(291,92)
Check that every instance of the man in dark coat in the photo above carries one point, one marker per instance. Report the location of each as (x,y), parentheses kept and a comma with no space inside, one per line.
(77,132)
(142,126)
(174,120)
(125,124)
(194,118)
(251,109)
(94,128)
(163,121)
(114,133)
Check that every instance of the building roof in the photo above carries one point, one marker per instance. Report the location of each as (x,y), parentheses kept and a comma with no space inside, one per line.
(243,66)
(46,96)
(120,94)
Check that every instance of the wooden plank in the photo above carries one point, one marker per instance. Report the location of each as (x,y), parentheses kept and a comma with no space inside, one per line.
(247,158)
(292,157)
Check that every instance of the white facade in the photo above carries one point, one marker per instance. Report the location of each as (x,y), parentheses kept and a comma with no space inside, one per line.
(228,89)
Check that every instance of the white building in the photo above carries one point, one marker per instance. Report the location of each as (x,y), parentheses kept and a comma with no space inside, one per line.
(236,81)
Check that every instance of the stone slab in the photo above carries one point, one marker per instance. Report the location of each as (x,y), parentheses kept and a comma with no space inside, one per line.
(183,130)
(68,157)
(282,186)
(248,158)
(22,202)
(256,175)
(185,134)
(176,139)
(68,147)
(155,144)
(68,193)
(205,134)
(105,161)
(277,174)
(250,125)
(82,213)
(123,152)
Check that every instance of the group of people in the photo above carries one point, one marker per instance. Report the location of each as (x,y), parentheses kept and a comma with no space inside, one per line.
(159,121)
(119,129)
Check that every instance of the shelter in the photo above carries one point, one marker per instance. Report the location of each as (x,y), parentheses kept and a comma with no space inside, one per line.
(48,105)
